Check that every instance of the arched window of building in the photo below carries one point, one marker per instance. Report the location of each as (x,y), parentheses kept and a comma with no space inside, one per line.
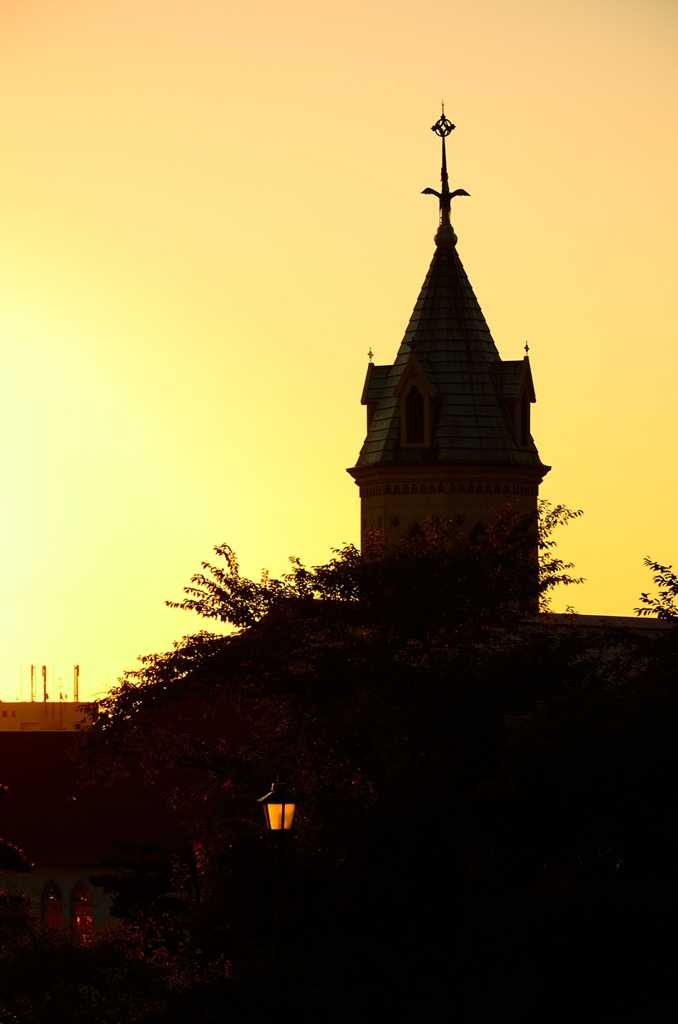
(414,413)
(414,530)
(52,907)
(81,909)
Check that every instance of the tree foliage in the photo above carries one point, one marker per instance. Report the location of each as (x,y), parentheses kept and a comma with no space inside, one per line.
(449,746)
(50,977)
(664,604)
(350,677)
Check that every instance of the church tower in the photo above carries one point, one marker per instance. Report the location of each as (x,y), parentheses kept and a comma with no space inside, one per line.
(448,424)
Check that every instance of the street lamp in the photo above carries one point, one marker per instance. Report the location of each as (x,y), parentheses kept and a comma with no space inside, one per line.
(279,807)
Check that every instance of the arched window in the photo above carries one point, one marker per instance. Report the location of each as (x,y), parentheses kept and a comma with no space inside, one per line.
(51,906)
(414,531)
(81,909)
(414,413)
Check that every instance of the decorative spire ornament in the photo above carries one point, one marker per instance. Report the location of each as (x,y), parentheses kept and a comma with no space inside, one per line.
(445,234)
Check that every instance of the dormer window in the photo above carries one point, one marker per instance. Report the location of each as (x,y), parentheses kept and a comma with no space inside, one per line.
(414,416)
(524,420)
(417,405)
(518,395)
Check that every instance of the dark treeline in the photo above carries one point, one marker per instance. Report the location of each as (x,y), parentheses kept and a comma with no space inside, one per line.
(486,827)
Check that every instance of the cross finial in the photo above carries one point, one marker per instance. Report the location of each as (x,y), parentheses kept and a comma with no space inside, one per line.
(445,235)
(527,348)
(443,126)
(370,354)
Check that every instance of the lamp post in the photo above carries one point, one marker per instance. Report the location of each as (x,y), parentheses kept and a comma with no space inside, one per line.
(279,808)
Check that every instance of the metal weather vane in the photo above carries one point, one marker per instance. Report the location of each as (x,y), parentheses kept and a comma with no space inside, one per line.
(442,128)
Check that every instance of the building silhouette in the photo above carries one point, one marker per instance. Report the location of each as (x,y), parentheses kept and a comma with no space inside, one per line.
(66,830)
(448,433)
(448,423)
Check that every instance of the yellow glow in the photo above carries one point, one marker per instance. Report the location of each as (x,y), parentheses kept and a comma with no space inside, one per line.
(210,211)
(275,816)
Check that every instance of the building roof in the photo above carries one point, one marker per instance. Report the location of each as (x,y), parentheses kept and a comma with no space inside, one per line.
(452,342)
(58,824)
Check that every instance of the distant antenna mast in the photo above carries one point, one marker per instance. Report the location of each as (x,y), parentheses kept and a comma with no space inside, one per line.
(44,683)
(76,683)
(32,682)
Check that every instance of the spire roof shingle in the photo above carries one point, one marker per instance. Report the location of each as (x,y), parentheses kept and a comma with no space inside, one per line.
(450,338)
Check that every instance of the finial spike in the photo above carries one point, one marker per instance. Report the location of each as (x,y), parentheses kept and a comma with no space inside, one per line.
(527,348)
(370,354)
(445,235)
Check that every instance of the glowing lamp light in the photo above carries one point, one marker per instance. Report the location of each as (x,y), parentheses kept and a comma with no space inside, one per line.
(279,807)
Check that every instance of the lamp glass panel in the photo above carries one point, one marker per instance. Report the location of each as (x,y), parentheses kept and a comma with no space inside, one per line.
(275,815)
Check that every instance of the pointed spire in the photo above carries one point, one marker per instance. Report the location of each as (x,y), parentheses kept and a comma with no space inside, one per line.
(445,234)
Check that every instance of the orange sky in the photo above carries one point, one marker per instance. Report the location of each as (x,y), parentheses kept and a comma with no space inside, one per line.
(209,212)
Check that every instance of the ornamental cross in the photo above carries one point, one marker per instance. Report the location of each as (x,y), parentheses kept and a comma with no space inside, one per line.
(442,128)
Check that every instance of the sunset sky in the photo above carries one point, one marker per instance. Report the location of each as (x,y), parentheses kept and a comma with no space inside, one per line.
(210,211)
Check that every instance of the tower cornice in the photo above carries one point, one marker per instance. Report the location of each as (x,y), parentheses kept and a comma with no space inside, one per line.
(445,473)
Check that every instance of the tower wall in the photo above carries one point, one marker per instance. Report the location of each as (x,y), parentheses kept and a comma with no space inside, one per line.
(392,503)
